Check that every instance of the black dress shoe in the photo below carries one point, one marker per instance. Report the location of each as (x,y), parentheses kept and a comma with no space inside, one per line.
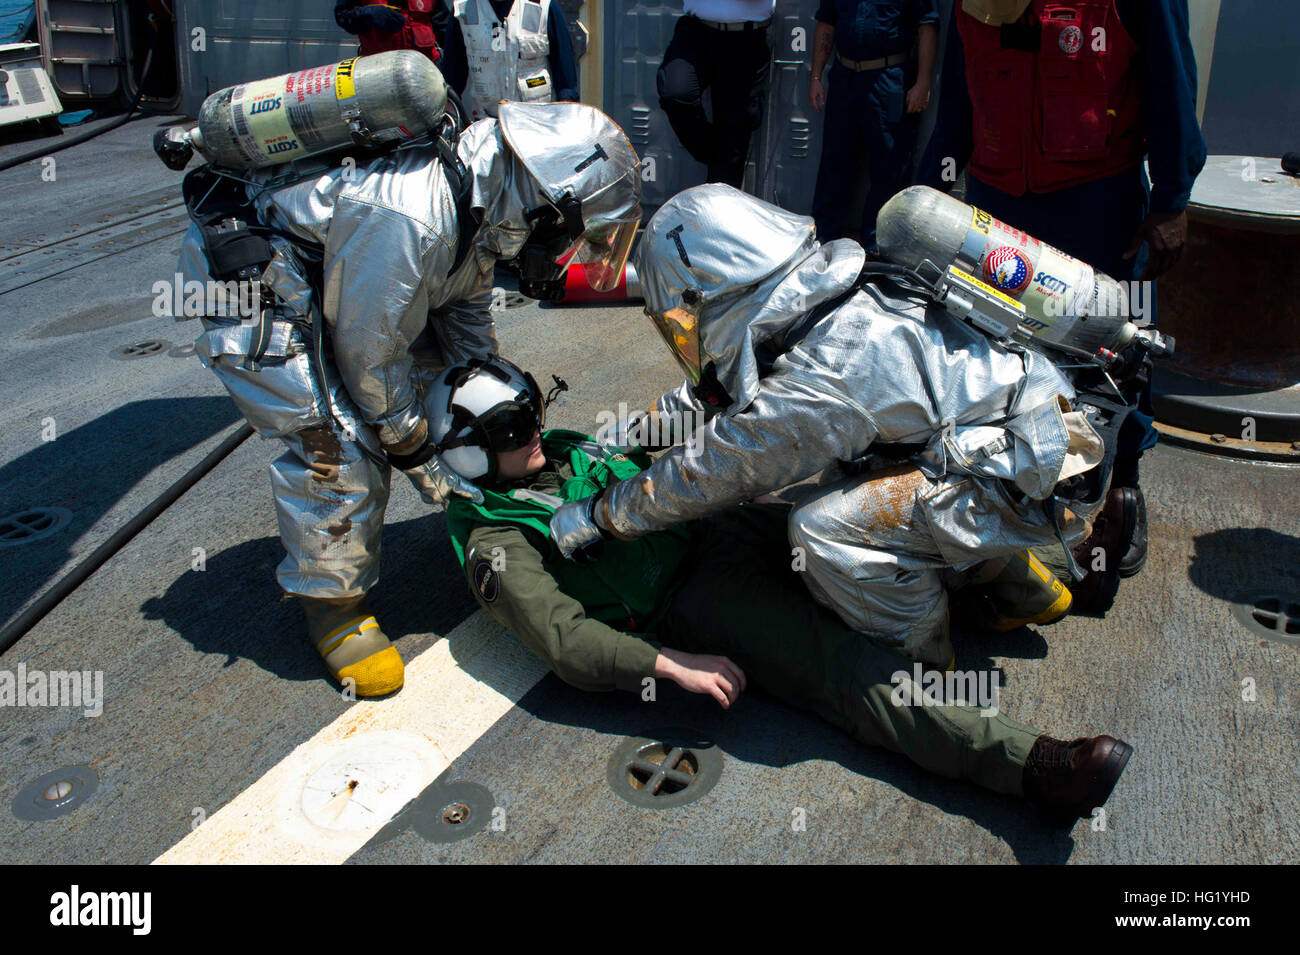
(1067,781)
(1135,558)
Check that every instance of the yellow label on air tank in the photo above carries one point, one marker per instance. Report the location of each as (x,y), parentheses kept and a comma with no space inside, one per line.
(344,86)
(985,287)
(262,119)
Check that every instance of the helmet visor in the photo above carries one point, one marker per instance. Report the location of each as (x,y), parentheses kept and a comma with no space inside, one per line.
(512,424)
(603,249)
(681,330)
(510,427)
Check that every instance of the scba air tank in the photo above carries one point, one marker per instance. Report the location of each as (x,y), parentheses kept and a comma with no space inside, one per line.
(384,98)
(1066,302)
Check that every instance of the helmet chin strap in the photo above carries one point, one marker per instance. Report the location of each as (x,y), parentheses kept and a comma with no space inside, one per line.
(560,385)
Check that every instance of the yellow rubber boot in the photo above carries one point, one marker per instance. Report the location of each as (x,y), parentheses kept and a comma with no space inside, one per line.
(1021,592)
(348,638)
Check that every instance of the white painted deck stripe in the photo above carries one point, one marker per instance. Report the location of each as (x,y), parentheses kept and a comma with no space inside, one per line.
(454,691)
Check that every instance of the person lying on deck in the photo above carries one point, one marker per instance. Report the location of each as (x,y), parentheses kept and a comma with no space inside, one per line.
(713,605)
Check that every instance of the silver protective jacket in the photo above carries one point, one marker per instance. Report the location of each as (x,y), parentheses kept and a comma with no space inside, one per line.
(389,233)
(881,368)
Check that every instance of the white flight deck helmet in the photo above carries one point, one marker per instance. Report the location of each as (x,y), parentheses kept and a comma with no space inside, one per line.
(479,410)
(586,204)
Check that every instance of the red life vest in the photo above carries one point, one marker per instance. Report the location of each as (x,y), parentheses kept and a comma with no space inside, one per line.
(416,35)
(1068,114)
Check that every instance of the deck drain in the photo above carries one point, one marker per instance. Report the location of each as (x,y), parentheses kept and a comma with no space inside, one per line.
(664,769)
(144,349)
(1270,614)
(30,525)
(443,813)
(505,298)
(55,794)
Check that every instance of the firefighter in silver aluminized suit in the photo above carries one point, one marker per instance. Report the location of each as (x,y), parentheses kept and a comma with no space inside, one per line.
(981,434)
(553,181)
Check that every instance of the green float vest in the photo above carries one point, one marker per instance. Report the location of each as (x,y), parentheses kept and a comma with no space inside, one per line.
(628,583)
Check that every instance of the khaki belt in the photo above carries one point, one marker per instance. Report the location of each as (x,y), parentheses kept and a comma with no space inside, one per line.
(861,66)
(736,27)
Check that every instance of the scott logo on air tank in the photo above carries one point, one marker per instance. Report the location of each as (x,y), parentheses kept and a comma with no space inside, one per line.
(265,105)
(1050,283)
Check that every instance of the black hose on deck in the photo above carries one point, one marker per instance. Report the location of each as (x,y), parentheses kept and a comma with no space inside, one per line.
(77,139)
(121,537)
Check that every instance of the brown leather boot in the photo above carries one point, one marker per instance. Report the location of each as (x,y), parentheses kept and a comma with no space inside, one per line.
(1067,781)
(1112,536)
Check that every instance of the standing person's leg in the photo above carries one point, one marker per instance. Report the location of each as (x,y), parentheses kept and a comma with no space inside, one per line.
(1094,221)
(739,93)
(837,169)
(1120,203)
(682,79)
(1027,213)
(329,498)
(891,141)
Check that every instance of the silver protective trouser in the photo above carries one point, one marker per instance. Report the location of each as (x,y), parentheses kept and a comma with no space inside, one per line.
(329,502)
(879,549)
(330,495)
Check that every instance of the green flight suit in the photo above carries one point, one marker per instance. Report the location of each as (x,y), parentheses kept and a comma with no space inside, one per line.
(733,593)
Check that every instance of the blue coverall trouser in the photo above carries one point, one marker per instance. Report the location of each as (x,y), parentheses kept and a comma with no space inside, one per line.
(862,108)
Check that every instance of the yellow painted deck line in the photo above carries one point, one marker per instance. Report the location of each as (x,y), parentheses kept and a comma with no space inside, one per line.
(454,691)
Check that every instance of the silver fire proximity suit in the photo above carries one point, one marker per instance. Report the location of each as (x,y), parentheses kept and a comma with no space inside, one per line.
(979,434)
(394,313)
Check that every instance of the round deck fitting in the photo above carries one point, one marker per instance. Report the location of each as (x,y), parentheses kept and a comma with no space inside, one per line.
(1270,614)
(33,524)
(145,349)
(664,769)
(450,812)
(1254,423)
(1231,303)
(1219,443)
(55,794)
(363,786)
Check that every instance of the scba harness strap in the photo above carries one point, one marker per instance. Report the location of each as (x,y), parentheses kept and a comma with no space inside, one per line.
(461,182)
(235,244)
(1087,491)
